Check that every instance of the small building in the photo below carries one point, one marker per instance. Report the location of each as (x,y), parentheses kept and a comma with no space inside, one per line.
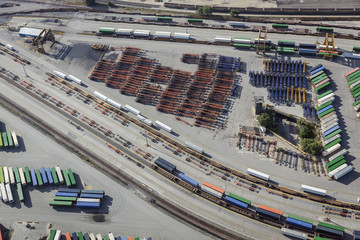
(29,32)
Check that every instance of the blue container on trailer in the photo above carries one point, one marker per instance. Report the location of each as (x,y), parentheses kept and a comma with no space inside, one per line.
(74,236)
(316,67)
(49,176)
(236,202)
(268,214)
(317,70)
(356,234)
(324,109)
(87,204)
(66,194)
(118,238)
(188,180)
(73,190)
(331,130)
(33,177)
(43,174)
(124,238)
(299,223)
(88,195)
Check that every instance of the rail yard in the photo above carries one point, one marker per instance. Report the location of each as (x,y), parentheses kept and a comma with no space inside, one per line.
(147,126)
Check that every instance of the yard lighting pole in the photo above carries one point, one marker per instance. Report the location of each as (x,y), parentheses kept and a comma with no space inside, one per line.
(332,200)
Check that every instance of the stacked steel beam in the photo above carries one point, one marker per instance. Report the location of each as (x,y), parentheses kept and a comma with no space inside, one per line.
(190,58)
(161,75)
(102,70)
(172,97)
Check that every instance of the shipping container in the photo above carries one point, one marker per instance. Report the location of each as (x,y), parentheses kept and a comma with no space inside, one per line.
(74,236)
(104,30)
(54,176)
(268,213)
(71,190)
(66,194)
(258,174)
(96,200)
(9,193)
(2,179)
(57,235)
(20,192)
(336,141)
(22,176)
(220,190)
(163,126)
(92,236)
(43,175)
(38,177)
(184,36)
(6,175)
(59,198)
(241,40)
(338,154)
(194,147)
(3,193)
(193,20)
(141,33)
(61,203)
(307,45)
(242,46)
(164,19)
(144,120)
(222,39)
(111,236)
(132,110)
(67,236)
(113,103)
(248,202)
(166,35)
(71,177)
(74,79)
(11,176)
(87,205)
(188,180)
(4,138)
(330,136)
(299,223)
(100,96)
(52,234)
(59,74)
(293,233)
(88,195)
(124,32)
(330,229)
(29,32)
(343,172)
(336,170)
(165,165)
(325,29)
(27,175)
(81,236)
(325,94)
(49,177)
(15,139)
(93,191)
(211,191)
(280,25)
(237,24)
(17,174)
(33,177)
(9,138)
(59,174)
(236,202)
(66,177)
(313,190)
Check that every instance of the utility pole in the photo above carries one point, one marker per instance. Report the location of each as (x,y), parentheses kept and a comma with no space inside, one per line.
(327,218)
(23,65)
(146,139)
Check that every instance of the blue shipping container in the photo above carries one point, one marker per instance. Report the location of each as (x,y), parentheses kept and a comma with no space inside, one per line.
(235,202)
(268,214)
(93,191)
(87,205)
(74,236)
(69,190)
(88,195)
(317,70)
(33,177)
(331,130)
(316,67)
(48,173)
(324,109)
(188,180)
(43,174)
(299,223)
(66,194)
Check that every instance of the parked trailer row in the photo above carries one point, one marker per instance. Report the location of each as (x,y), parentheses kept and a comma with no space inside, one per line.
(8,139)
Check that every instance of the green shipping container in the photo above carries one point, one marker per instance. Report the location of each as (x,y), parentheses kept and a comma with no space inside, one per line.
(193,20)
(61,203)
(325,29)
(107,30)
(335,166)
(165,19)
(80,236)
(17,174)
(341,229)
(326,112)
(10,141)
(71,176)
(106,237)
(60,198)
(324,94)
(279,25)
(356,49)
(335,161)
(38,177)
(52,234)
(66,177)
(333,134)
(54,176)
(322,86)
(20,192)
(353,75)
(323,106)
(320,238)
(1,175)
(243,46)
(239,198)
(356,103)
(27,175)
(327,146)
(5,141)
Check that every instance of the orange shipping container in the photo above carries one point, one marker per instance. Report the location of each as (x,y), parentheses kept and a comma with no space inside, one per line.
(270,209)
(214,187)
(68,237)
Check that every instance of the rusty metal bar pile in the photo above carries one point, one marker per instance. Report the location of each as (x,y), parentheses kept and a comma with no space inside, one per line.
(148,94)
(190,58)
(101,70)
(161,75)
(123,67)
(199,88)
(173,95)
(139,74)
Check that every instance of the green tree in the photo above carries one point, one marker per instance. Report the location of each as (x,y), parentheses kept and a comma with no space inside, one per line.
(311,146)
(234,13)
(89,2)
(265,120)
(205,10)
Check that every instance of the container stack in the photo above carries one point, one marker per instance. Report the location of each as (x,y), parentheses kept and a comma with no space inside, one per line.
(353,82)
(66,197)
(57,235)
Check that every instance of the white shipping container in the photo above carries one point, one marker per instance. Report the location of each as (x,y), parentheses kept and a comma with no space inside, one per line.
(6,175)
(9,193)
(57,235)
(329,118)
(314,190)
(223,39)
(357,107)
(11,175)
(258,174)
(338,154)
(123,31)
(332,139)
(75,79)
(132,110)
(237,24)
(101,96)
(325,99)
(92,236)
(194,147)
(343,172)
(323,47)
(15,139)
(22,176)
(331,150)
(331,99)
(163,126)
(185,36)
(336,170)
(162,34)
(332,120)
(60,176)
(3,193)
(329,127)
(59,74)
(293,233)
(113,103)
(144,120)
(98,237)
(242,41)
(111,236)
(354,84)
(88,200)
(211,191)
(142,33)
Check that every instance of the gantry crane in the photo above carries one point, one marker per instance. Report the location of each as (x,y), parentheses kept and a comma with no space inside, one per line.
(45,35)
(260,46)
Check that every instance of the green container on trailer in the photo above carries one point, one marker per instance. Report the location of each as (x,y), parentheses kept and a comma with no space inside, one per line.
(341,229)
(1,141)
(326,112)
(52,234)
(61,203)
(239,198)
(321,54)
(54,175)
(333,134)
(106,237)
(27,175)
(20,192)
(335,166)
(1,175)
(80,236)
(300,218)
(356,93)
(353,81)
(353,76)
(5,141)
(356,103)
(279,25)
(325,29)
(71,176)
(107,30)
(38,177)
(323,106)
(320,238)
(66,177)
(168,19)
(318,77)
(319,80)
(322,86)
(324,94)
(193,20)
(356,49)
(17,174)
(355,88)
(327,146)
(336,160)
(243,46)
(60,198)
(10,141)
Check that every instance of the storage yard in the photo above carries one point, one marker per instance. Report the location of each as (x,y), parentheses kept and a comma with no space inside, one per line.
(156,118)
